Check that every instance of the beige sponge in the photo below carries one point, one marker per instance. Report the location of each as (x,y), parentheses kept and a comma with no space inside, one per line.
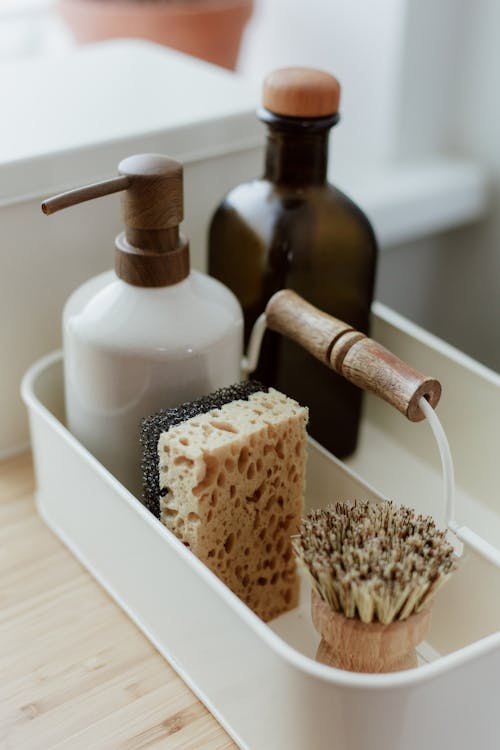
(232,481)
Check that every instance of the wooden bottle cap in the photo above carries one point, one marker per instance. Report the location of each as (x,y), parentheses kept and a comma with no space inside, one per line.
(301,92)
(154,199)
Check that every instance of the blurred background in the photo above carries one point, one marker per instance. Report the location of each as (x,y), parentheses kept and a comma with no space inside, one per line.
(418,145)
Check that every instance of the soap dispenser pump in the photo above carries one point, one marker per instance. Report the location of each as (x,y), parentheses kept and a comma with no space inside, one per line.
(150,334)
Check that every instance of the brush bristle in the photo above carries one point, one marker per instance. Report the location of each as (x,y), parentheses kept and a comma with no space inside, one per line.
(375,562)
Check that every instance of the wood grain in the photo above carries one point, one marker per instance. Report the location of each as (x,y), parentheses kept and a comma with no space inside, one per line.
(292,316)
(86,193)
(372,367)
(154,199)
(301,92)
(151,252)
(149,268)
(359,359)
(75,672)
(360,647)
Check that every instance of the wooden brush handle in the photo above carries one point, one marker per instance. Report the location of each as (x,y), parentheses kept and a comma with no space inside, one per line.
(358,647)
(351,354)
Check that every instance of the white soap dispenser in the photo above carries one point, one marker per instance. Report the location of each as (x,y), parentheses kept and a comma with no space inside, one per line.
(150,334)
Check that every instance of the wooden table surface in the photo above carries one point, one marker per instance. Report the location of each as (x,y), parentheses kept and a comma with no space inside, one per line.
(75,673)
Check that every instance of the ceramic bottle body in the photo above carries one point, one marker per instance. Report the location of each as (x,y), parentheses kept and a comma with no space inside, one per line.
(131,351)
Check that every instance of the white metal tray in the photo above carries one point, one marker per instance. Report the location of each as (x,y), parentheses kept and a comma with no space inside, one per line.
(261,681)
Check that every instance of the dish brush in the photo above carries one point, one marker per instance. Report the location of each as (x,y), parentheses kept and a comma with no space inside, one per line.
(375,569)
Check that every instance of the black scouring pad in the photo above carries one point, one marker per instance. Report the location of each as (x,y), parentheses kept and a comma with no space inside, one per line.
(153,426)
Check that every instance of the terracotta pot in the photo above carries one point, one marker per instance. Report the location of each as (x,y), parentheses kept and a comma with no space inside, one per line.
(209,29)
(359,647)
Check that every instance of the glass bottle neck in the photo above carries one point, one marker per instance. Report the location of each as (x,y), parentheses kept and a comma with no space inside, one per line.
(297,150)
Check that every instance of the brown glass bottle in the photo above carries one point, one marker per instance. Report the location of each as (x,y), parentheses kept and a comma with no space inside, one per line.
(293,229)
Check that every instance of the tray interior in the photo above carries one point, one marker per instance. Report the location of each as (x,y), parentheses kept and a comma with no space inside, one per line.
(465,610)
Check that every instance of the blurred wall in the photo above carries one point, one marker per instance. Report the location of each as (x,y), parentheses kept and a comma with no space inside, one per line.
(450,283)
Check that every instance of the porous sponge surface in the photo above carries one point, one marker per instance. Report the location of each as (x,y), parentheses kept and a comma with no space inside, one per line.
(233,487)
(153,426)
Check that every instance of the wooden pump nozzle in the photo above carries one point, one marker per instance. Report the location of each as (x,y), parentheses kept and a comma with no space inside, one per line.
(351,354)
(150,252)
(86,193)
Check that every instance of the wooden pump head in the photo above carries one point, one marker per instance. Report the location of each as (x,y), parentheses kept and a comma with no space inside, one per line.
(150,252)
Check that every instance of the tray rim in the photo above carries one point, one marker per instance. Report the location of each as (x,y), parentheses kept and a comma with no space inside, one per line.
(394,319)
(293,657)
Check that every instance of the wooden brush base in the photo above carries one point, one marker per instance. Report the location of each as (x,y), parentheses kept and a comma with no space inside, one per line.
(358,647)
